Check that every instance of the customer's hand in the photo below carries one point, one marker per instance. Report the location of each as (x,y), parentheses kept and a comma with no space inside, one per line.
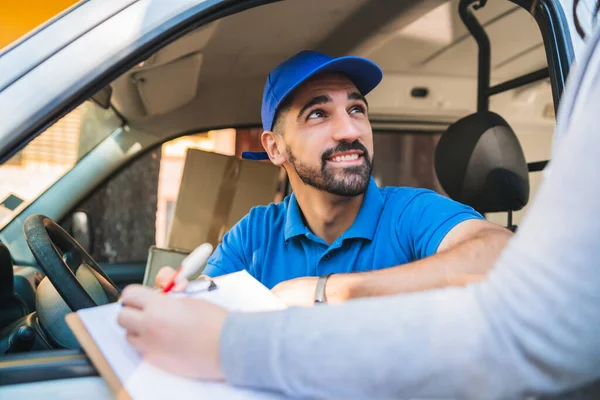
(181,336)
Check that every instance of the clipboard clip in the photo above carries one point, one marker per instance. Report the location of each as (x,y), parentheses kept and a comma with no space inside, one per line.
(202,284)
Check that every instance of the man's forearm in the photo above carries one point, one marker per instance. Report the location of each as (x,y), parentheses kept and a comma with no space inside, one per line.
(466,262)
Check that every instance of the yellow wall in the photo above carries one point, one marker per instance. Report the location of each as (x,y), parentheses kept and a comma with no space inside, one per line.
(17,17)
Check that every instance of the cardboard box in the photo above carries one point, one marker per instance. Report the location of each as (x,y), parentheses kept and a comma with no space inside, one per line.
(216,192)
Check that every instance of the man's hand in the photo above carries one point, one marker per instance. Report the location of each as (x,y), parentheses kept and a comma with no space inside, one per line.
(299,292)
(181,336)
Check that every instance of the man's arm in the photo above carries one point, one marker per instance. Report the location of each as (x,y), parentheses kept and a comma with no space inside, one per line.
(465,255)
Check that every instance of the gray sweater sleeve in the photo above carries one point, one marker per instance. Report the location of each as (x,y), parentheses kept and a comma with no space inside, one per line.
(532,327)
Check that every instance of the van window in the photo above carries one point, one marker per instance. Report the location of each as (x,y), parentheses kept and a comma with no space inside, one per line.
(133,210)
(52,154)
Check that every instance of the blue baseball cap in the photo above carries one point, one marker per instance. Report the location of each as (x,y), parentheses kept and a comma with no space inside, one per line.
(290,74)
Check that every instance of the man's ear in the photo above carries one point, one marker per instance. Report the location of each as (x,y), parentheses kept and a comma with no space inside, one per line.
(271,145)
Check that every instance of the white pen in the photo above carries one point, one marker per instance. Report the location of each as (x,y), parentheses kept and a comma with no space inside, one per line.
(190,265)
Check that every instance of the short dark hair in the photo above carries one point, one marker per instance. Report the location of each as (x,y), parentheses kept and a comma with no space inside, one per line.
(280,113)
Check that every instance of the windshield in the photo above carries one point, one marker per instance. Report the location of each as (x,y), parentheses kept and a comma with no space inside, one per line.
(52,154)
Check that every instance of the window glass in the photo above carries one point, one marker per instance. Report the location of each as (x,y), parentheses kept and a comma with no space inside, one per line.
(52,154)
(134,209)
(406,159)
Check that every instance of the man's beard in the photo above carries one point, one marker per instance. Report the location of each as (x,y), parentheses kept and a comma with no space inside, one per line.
(349,181)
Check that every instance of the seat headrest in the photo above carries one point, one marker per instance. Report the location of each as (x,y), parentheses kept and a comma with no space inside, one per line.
(479,162)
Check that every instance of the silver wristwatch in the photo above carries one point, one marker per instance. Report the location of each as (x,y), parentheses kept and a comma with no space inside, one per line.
(320,290)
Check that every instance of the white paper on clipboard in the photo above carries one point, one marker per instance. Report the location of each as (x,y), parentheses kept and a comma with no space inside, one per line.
(139,380)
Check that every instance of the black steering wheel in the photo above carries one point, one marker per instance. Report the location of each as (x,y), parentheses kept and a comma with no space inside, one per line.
(59,256)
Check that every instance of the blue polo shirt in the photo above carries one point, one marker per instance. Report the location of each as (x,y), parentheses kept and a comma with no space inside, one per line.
(394,226)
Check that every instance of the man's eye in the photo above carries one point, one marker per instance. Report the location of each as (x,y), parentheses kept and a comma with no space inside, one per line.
(358,108)
(316,114)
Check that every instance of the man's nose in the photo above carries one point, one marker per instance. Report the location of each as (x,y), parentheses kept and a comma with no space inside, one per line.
(345,129)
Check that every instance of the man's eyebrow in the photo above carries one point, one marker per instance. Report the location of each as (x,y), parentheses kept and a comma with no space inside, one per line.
(357,96)
(313,102)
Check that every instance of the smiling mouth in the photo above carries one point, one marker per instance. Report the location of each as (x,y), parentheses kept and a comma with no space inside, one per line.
(345,157)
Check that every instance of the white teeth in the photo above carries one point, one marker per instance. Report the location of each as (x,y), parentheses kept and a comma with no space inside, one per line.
(351,157)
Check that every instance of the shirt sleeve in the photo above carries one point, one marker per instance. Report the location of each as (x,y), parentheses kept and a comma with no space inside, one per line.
(530,328)
(426,219)
(230,256)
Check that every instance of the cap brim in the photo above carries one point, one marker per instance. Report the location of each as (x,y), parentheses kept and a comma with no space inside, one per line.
(255,155)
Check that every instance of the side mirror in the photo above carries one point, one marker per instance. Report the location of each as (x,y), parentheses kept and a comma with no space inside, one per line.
(82,231)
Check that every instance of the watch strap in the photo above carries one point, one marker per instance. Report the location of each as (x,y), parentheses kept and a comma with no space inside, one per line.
(320,290)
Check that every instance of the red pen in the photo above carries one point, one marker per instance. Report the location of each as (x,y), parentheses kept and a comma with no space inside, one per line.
(189,266)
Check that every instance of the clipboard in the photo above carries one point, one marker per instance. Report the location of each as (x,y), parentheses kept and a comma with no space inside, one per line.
(95,355)
(123,368)
(202,284)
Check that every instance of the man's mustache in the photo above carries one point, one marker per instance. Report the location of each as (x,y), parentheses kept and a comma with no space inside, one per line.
(346,146)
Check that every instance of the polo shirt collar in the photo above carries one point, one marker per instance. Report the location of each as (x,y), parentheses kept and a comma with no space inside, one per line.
(294,224)
(364,225)
(366,221)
